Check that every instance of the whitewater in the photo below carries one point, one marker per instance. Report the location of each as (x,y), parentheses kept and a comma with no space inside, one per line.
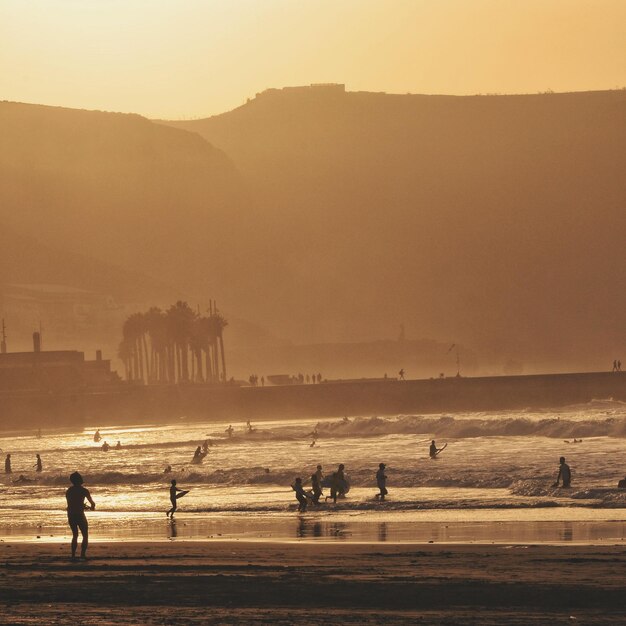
(497,466)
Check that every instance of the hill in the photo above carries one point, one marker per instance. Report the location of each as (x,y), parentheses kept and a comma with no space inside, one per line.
(495,220)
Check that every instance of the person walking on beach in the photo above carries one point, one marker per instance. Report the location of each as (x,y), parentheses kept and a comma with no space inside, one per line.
(175,494)
(334,488)
(38,464)
(316,488)
(7,465)
(401,374)
(300,495)
(75,497)
(565,474)
(381,482)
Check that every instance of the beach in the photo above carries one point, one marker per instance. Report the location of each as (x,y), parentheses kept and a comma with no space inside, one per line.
(264,582)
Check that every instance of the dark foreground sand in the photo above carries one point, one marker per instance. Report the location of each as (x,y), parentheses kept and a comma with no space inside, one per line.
(309,583)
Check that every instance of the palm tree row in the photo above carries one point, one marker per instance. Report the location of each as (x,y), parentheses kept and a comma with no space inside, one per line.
(177,345)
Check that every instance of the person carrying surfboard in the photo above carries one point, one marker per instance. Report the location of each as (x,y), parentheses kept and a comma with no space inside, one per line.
(434,450)
(175,494)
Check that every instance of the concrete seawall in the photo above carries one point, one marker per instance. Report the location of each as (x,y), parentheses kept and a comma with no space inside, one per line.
(136,404)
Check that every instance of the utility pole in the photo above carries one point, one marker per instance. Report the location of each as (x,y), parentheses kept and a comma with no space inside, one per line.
(3,343)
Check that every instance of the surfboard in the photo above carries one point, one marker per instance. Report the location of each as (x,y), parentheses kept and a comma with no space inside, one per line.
(180,494)
(327,481)
(198,459)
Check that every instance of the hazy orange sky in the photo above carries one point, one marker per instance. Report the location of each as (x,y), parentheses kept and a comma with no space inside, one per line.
(190,58)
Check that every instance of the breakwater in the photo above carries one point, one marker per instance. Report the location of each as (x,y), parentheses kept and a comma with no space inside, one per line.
(125,403)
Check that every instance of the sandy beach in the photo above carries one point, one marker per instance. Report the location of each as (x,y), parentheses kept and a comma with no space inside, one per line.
(224,582)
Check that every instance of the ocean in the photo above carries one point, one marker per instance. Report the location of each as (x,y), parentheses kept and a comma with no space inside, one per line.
(496,472)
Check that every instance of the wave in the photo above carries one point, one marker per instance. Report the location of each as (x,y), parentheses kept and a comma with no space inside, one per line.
(460,428)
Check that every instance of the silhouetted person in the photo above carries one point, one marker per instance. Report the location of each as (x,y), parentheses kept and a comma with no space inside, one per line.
(619,366)
(565,474)
(319,378)
(249,427)
(300,495)
(105,447)
(614,366)
(38,464)
(118,445)
(434,450)
(97,436)
(319,474)
(21,479)
(381,482)
(316,488)
(175,493)
(168,470)
(262,381)
(76,518)
(401,374)
(197,453)
(229,431)
(7,465)
(622,484)
(334,488)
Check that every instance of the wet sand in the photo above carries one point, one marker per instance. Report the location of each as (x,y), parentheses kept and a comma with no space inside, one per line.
(227,582)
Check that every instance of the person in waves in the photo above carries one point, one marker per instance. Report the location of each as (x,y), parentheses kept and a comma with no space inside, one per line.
(335,487)
(434,450)
(7,465)
(75,497)
(105,447)
(300,495)
(38,464)
(381,482)
(229,431)
(622,484)
(118,445)
(564,475)
(97,436)
(168,469)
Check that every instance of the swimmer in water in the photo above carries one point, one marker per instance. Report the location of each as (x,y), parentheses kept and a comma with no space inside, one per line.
(105,447)
(97,436)
(75,497)
(230,431)
(118,445)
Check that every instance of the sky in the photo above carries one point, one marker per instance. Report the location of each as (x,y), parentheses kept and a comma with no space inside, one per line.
(181,59)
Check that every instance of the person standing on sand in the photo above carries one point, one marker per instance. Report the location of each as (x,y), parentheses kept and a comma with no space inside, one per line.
(564,473)
(38,464)
(381,482)
(76,518)
(7,465)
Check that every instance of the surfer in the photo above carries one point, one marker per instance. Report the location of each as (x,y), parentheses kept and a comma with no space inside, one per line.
(75,497)
(229,431)
(97,436)
(334,488)
(249,427)
(300,495)
(381,482)
(434,450)
(38,464)
(197,453)
(622,484)
(312,444)
(7,465)
(168,470)
(118,445)
(319,474)
(105,447)
(175,494)
(205,446)
(565,474)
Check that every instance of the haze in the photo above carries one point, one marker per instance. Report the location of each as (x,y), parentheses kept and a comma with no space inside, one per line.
(341,227)
(199,57)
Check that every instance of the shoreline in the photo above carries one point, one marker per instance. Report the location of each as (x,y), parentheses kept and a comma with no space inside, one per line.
(455,528)
(232,582)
